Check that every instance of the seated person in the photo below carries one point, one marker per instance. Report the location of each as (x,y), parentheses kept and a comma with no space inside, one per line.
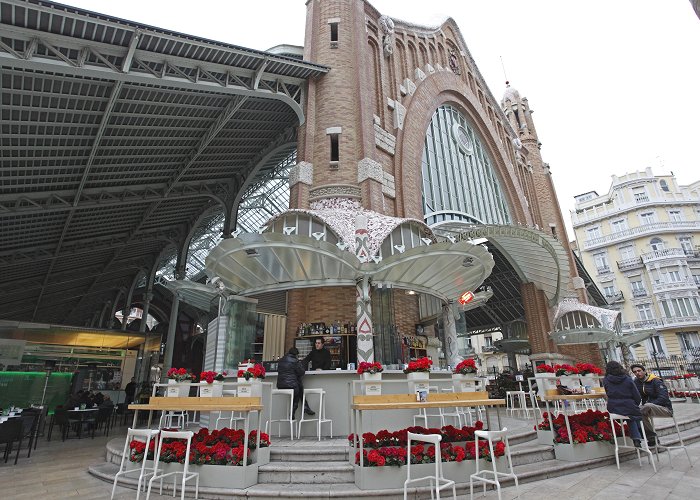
(655,400)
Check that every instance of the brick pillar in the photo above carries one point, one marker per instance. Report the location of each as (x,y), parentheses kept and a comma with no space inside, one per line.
(538,321)
(301,177)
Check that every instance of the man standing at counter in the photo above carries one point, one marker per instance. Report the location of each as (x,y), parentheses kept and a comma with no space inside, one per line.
(289,375)
(320,357)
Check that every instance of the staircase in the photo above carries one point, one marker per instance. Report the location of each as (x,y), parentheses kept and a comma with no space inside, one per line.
(314,470)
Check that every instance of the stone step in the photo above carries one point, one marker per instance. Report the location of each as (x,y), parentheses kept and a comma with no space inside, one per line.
(306,473)
(308,454)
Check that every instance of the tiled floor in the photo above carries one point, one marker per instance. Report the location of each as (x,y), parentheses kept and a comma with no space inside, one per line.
(59,470)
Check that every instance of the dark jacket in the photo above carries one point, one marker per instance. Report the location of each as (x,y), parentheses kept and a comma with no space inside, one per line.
(319,358)
(289,372)
(653,390)
(623,396)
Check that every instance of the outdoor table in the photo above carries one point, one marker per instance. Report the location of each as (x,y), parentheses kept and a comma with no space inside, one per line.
(245,405)
(552,395)
(408,401)
(82,416)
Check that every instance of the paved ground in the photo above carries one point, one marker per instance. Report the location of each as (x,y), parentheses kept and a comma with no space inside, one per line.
(59,470)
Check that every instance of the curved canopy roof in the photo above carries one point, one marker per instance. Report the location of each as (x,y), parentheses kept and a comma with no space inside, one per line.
(577,323)
(254,263)
(120,143)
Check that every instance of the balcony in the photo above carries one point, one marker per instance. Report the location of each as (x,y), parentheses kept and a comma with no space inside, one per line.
(645,324)
(630,264)
(615,297)
(673,285)
(637,232)
(681,321)
(666,253)
(639,292)
(603,270)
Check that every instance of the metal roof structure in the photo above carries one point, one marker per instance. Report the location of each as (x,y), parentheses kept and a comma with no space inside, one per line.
(121,143)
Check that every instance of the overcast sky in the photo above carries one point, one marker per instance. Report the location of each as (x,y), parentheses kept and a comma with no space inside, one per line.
(614,84)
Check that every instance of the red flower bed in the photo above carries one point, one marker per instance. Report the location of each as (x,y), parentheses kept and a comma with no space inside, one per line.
(565,370)
(256,371)
(465,367)
(586,427)
(366,367)
(384,437)
(545,368)
(425,454)
(586,368)
(218,447)
(419,365)
(210,376)
(181,375)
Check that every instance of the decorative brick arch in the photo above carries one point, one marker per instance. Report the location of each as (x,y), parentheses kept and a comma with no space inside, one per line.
(443,87)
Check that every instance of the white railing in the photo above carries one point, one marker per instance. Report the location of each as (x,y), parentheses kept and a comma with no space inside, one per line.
(666,253)
(584,216)
(646,324)
(639,292)
(628,264)
(658,324)
(681,321)
(653,228)
(673,285)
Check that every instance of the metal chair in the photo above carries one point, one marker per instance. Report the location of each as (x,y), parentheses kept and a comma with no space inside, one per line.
(437,478)
(621,419)
(143,471)
(484,475)
(667,448)
(289,394)
(186,475)
(10,432)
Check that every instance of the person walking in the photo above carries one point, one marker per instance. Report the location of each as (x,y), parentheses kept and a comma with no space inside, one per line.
(623,398)
(655,400)
(130,391)
(289,376)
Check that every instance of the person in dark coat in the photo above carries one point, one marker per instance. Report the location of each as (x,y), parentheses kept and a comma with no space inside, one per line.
(130,390)
(319,357)
(623,398)
(289,375)
(655,399)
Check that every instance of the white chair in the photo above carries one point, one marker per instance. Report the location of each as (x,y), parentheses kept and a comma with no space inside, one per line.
(485,475)
(435,480)
(457,414)
(289,395)
(144,472)
(668,449)
(622,419)
(515,402)
(167,418)
(320,418)
(186,475)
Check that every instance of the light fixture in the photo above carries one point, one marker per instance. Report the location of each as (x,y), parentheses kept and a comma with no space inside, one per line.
(410,292)
(466,297)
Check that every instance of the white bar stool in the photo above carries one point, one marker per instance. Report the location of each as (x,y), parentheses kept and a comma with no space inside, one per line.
(513,397)
(457,414)
(147,435)
(320,414)
(483,475)
(289,394)
(186,475)
(167,417)
(668,449)
(621,419)
(438,478)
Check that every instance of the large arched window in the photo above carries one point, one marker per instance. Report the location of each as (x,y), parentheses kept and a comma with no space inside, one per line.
(458,175)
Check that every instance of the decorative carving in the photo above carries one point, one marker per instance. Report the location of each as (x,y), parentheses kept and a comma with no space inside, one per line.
(338,203)
(420,76)
(301,172)
(517,143)
(367,168)
(334,191)
(410,86)
(454,63)
(386,25)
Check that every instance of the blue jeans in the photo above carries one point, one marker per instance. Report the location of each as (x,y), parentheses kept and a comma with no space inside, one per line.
(635,425)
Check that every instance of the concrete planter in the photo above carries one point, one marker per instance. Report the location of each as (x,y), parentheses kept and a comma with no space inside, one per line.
(570,381)
(261,456)
(590,380)
(692,383)
(583,451)
(371,389)
(213,476)
(418,381)
(546,381)
(465,383)
(545,437)
(178,389)
(501,464)
(251,388)
(213,390)
(392,477)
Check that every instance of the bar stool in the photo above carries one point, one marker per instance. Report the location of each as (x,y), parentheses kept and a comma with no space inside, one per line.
(289,394)
(516,396)
(621,419)
(457,414)
(438,478)
(144,471)
(186,475)
(668,449)
(233,417)
(320,414)
(483,475)
(167,417)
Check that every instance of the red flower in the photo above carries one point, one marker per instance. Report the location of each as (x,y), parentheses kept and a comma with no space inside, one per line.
(466,366)
(366,367)
(545,369)
(419,365)
(255,371)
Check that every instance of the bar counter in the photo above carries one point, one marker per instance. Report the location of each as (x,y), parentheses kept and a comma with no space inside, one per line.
(338,387)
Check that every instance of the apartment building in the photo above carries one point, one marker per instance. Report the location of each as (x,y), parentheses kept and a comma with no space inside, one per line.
(640,241)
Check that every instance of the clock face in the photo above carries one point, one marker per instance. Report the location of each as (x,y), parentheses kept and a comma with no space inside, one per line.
(461,137)
(419,329)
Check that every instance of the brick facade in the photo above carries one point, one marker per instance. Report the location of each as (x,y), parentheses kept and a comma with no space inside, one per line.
(387,79)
